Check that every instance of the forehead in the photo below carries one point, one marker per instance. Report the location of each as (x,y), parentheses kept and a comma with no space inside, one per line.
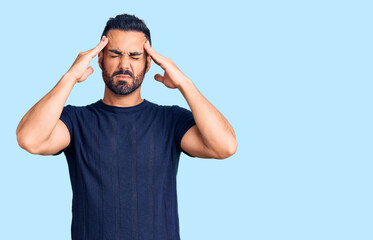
(126,40)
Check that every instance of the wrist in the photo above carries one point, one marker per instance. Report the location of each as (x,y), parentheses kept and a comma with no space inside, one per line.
(68,78)
(184,84)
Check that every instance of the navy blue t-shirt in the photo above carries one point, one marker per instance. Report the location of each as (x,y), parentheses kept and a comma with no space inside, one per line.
(123,163)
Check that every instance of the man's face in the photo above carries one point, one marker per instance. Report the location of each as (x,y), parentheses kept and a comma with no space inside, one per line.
(123,62)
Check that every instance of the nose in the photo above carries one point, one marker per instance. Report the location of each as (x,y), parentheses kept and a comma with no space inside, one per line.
(125,62)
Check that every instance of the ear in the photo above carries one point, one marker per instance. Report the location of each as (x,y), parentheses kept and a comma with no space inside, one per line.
(100,58)
(149,60)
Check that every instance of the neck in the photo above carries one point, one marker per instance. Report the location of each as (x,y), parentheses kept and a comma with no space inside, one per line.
(116,100)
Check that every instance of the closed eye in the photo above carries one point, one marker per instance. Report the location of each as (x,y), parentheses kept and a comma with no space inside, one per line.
(114,56)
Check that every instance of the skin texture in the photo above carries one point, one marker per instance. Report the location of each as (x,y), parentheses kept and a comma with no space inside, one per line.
(41,132)
(124,54)
(122,87)
(212,136)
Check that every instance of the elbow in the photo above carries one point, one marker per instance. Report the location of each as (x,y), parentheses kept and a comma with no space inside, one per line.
(22,141)
(229,151)
(27,144)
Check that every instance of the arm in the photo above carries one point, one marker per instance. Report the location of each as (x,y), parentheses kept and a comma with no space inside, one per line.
(213,136)
(40,131)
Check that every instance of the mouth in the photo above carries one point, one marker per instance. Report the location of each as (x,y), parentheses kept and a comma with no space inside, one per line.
(120,76)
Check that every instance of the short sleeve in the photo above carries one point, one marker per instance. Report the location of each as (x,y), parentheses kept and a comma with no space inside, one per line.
(184,120)
(66,118)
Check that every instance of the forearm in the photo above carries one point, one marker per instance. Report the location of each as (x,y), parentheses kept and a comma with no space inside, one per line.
(216,132)
(39,122)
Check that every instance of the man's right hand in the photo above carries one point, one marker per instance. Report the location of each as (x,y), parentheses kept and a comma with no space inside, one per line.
(80,70)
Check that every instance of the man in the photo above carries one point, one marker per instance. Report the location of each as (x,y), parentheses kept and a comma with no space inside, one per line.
(123,151)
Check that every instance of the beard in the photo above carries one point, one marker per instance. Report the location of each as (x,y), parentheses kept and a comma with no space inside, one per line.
(123,87)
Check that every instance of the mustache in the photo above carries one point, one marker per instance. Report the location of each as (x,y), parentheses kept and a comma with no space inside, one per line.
(121,72)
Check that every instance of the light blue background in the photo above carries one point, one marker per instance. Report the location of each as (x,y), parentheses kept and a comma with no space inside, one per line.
(294,78)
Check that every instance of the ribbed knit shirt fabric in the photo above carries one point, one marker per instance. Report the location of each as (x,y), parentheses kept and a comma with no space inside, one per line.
(123,163)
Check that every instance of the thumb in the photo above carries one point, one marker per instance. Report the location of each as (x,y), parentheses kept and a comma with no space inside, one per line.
(87,72)
(158,77)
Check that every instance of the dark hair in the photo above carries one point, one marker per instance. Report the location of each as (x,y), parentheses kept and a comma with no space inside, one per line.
(127,22)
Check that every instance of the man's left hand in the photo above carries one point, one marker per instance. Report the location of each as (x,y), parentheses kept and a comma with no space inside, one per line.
(173,76)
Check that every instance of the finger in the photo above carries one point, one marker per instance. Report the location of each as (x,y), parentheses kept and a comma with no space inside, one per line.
(158,58)
(101,45)
(86,73)
(158,77)
(104,41)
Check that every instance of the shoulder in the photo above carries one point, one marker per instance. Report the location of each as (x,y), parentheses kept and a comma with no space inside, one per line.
(74,112)
(79,108)
(168,107)
(161,108)
(176,111)
(179,111)
(170,113)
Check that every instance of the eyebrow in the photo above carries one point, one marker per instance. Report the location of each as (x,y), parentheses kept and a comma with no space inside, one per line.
(120,53)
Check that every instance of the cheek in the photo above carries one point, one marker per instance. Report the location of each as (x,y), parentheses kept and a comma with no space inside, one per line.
(140,64)
(110,64)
